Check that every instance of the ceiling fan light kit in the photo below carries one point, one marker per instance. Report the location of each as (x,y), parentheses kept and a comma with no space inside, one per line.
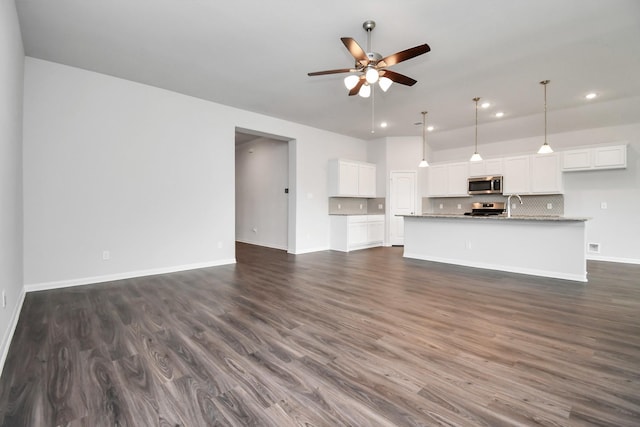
(371,67)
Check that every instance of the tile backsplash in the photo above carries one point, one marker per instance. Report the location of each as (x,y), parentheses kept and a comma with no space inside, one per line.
(543,205)
(356,206)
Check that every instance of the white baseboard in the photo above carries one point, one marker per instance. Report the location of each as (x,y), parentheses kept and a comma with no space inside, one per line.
(120,276)
(8,335)
(309,250)
(266,245)
(613,259)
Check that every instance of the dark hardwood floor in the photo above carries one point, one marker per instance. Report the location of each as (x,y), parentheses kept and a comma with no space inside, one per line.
(330,339)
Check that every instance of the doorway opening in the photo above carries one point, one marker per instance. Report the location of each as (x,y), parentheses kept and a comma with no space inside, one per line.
(264,209)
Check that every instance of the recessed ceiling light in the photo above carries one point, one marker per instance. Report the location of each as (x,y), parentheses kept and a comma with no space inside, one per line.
(430,128)
(499,114)
(383,124)
(485,105)
(591,95)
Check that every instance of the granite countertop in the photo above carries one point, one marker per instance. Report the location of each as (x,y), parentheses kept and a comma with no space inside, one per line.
(354,214)
(501,217)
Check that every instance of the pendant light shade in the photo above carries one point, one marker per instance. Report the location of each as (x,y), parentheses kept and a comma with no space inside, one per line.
(476,157)
(545,148)
(423,163)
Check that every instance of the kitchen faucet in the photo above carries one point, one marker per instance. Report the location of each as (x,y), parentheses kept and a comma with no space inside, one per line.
(509,203)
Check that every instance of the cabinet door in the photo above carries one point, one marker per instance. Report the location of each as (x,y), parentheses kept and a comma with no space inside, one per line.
(516,175)
(574,160)
(438,180)
(367,180)
(375,232)
(610,157)
(348,178)
(477,168)
(358,234)
(493,167)
(457,173)
(546,177)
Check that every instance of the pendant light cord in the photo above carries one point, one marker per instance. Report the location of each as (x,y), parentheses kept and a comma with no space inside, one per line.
(476,99)
(544,83)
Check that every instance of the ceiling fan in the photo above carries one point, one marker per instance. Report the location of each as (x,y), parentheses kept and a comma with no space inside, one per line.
(370,67)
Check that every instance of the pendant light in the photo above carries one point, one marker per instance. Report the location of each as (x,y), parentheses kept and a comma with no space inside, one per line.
(545,148)
(476,157)
(423,163)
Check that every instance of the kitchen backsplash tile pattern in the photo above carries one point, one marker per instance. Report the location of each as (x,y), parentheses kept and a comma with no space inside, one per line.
(356,206)
(543,205)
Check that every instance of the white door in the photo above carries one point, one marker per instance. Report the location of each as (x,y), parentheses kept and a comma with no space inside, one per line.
(402,202)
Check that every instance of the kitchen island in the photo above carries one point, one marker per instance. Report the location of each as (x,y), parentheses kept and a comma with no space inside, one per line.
(537,245)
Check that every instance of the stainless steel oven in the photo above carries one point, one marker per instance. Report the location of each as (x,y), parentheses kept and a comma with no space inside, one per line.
(485,185)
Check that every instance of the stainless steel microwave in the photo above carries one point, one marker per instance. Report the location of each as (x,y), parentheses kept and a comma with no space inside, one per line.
(485,185)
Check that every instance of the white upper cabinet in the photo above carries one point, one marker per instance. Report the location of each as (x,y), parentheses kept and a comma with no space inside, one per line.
(438,179)
(448,180)
(516,175)
(348,178)
(546,176)
(597,158)
(613,157)
(488,167)
(367,180)
(458,173)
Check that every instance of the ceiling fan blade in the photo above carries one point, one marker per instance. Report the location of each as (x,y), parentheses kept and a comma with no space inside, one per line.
(357,87)
(404,55)
(398,78)
(339,70)
(355,50)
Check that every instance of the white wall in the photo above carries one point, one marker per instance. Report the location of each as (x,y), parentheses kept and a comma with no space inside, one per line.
(146,174)
(11,85)
(262,174)
(584,191)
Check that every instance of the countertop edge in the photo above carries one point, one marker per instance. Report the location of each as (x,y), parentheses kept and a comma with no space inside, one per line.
(500,217)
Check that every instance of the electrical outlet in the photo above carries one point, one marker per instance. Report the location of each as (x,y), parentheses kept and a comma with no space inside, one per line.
(106,255)
(441,206)
(360,205)
(380,206)
(603,205)
(339,206)
(459,206)
(549,205)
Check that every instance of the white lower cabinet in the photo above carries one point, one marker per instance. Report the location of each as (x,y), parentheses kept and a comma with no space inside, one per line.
(351,232)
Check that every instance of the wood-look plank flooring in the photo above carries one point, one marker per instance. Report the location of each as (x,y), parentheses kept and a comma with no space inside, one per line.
(330,339)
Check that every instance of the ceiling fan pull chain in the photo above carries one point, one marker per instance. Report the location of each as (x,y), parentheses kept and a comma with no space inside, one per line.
(373,103)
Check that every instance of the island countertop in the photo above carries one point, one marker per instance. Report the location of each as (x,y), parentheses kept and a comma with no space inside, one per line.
(500,217)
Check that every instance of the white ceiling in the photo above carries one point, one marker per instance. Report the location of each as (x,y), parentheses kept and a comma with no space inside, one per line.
(255,55)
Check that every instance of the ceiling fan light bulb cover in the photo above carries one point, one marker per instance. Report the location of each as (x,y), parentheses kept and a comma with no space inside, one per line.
(351,81)
(372,75)
(365,91)
(476,157)
(545,149)
(385,83)
(423,164)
